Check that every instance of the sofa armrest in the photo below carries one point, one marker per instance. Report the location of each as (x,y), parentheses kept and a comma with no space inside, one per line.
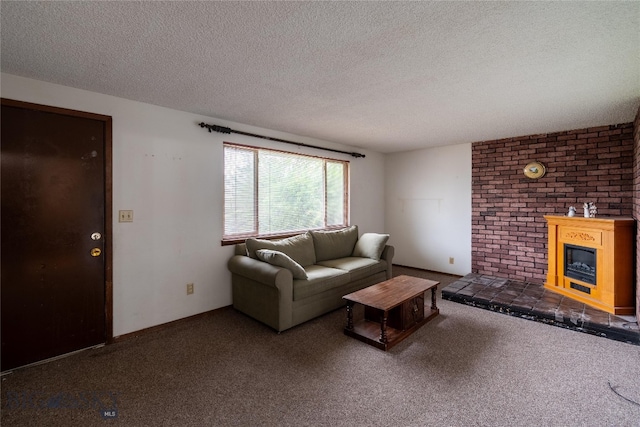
(262,291)
(387,255)
(258,271)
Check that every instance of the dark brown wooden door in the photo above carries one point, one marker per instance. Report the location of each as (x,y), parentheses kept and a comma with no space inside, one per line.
(53,262)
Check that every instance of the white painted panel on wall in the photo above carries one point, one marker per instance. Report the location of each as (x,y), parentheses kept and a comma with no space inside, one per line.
(428,208)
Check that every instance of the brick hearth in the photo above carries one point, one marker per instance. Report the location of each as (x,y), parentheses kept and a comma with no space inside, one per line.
(533,302)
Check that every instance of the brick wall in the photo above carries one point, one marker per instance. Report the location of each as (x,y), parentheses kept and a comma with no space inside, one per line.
(509,232)
(636,203)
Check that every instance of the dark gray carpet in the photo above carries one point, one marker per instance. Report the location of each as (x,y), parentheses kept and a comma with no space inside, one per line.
(467,367)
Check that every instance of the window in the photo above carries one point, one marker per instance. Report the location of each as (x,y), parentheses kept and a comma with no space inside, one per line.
(269,192)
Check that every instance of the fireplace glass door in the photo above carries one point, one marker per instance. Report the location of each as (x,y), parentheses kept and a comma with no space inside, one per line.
(580,263)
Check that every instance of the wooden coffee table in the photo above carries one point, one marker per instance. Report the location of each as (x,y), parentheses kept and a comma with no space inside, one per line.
(393,310)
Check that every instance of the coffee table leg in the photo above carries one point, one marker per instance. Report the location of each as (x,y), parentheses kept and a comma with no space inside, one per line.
(433,298)
(383,328)
(349,315)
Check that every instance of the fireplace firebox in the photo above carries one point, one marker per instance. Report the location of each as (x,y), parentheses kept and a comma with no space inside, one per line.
(580,263)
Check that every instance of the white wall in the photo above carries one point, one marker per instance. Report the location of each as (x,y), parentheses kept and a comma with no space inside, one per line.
(428,208)
(169,172)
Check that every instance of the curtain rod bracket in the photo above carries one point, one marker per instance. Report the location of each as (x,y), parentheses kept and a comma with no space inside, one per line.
(215,128)
(222,129)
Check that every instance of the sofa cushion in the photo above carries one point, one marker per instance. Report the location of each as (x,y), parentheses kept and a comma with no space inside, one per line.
(334,244)
(299,248)
(282,260)
(319,279)
(357,267)
(370,245)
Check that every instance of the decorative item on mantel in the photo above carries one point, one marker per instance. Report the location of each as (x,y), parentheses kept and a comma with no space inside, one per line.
(572,211)
(590,210)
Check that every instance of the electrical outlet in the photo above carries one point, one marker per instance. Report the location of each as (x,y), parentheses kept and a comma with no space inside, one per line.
(125,216)
(189,288)
(450,260)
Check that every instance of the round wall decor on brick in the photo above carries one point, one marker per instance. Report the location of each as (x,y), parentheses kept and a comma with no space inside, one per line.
(535,170)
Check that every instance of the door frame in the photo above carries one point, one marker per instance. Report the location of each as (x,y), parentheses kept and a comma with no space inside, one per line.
(108,196)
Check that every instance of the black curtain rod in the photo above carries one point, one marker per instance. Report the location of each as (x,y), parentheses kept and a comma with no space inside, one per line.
(222,129)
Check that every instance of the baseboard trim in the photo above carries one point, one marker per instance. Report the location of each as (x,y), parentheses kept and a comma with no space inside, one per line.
(163,326)
(425,270)
(51,359)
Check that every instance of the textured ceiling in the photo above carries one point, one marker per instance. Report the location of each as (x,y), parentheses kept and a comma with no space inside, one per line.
(387,76)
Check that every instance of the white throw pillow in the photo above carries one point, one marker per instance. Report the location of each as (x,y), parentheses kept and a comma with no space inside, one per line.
(370,245)
(280,259)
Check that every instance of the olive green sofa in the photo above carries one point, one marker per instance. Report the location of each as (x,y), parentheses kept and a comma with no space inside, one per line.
(283,283)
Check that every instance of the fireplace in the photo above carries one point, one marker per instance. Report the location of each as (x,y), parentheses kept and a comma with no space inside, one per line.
(580,263)
(591,260)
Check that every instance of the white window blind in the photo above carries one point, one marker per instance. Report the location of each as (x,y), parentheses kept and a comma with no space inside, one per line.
(268,192)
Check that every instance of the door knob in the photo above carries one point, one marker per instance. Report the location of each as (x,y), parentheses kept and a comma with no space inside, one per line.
(96,236)
(95,252)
